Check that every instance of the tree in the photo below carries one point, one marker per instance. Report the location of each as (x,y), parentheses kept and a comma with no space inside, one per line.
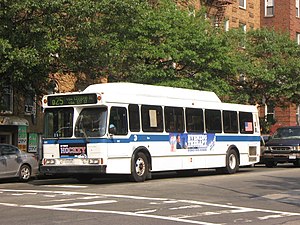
(163,44)
(268,64)
(35,38)
(154,42)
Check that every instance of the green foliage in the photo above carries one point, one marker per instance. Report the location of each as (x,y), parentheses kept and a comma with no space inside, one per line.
(270,65)
(138,41)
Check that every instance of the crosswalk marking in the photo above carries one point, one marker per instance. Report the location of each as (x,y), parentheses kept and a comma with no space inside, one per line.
(81,204)
(172,205)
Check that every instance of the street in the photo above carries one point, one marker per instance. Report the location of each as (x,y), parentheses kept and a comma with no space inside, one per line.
(254,195)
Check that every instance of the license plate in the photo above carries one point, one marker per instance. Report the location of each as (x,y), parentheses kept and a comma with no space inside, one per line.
(292,157)
(66,161)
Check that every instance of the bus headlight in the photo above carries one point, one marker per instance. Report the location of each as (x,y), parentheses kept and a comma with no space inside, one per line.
(297,148)
(94,161)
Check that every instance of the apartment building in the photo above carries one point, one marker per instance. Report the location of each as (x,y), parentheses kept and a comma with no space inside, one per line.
(243,14)
(283,16)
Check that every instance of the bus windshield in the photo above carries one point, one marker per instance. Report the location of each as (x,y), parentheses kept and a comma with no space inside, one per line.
(91,122)
(58,122)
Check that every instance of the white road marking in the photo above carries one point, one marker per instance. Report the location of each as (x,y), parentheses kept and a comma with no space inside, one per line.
(186,207)
(147,211)
(82,203)
(112,212)
(63,207)
(270,217)
(66,186)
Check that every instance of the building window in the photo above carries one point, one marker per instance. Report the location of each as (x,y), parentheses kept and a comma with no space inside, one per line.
(270,114)
(243,27)
(243,4)
(298,115)
(30,105)
(298,38)
(226,25)
(6,100)
(297,8)
(269,7)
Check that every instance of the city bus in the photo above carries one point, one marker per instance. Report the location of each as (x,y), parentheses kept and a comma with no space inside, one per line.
(139,129)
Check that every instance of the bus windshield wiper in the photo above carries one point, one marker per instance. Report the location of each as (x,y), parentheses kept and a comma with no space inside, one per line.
(85,135)
(56,133)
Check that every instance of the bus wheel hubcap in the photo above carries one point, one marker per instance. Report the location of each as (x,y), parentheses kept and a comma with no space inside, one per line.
(232,161)
(140,166)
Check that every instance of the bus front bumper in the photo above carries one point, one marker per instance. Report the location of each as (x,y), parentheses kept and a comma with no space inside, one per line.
(93,169)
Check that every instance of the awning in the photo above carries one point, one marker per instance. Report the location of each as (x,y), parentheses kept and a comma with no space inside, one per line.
(13,121)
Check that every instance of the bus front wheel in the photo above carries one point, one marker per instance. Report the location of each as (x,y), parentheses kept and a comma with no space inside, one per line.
(139,167)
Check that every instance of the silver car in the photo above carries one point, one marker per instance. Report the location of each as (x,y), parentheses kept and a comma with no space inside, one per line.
(16,163)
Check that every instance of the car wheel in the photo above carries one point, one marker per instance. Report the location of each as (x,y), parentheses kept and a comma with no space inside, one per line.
(25,173)
(297,163)
(271,164)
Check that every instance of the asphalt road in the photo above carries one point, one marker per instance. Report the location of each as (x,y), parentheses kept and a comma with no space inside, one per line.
(255,195)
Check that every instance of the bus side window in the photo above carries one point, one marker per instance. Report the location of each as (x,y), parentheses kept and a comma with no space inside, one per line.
(152,118)
(134,118)
(194,120)
(174,121)
(246,123)
(213,121)
(118,117)
(230,121)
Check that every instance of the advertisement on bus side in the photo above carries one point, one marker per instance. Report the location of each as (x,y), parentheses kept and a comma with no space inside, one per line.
(192,142)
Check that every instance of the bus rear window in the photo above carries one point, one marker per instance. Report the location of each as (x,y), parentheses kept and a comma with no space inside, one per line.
(246,122)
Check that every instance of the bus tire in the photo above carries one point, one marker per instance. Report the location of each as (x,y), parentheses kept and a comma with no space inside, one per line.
(270,164)
(232,163)
(139,167)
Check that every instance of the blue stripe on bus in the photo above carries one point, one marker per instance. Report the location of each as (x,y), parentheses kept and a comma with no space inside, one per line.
(237,138)
(146,138)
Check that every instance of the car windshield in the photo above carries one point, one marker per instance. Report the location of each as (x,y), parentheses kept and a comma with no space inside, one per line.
(287,133)
(58,122)
(91,122)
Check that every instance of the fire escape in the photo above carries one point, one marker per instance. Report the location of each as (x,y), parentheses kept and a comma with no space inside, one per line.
(217,10)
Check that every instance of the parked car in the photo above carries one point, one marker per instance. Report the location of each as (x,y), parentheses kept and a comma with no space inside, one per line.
(283,147)
(16,163)
(263,140)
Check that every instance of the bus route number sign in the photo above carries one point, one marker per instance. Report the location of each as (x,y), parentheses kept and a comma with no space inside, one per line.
(78,99)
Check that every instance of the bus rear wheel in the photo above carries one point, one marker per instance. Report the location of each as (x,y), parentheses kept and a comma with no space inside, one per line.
(232,163)
(139,167)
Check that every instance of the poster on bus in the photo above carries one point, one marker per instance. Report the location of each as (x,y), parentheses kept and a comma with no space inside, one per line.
(192,142)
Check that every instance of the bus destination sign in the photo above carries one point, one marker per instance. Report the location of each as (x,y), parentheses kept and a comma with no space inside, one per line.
(76,99)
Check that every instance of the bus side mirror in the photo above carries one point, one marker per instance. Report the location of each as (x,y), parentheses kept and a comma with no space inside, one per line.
(112,129)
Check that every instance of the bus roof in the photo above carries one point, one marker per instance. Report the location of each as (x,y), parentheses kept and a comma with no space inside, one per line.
(144,90)
(133,93)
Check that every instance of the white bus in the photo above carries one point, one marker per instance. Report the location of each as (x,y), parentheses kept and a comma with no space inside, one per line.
(137,129)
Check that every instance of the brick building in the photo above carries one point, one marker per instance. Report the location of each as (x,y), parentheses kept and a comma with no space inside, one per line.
(283,16)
